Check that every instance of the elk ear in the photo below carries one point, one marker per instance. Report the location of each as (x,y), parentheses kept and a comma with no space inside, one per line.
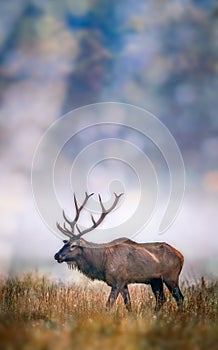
(65,241)
(82,243)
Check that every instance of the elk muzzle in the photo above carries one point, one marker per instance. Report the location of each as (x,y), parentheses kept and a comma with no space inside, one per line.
(58,257)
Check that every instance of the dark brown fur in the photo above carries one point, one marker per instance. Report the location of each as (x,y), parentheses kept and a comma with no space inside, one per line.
(124,261)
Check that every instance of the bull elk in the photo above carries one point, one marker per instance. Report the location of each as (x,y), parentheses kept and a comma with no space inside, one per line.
(121,261)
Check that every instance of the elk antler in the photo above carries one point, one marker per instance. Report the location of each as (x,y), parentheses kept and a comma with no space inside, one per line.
(64,229)
(103,215)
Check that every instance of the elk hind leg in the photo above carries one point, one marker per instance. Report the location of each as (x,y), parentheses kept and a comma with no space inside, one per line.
(112,297)
(157,289)
(176,292)
(126,297)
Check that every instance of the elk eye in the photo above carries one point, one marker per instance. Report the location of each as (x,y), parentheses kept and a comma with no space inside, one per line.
(72,247)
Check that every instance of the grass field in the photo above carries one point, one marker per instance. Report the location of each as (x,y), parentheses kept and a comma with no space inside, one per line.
(38,314)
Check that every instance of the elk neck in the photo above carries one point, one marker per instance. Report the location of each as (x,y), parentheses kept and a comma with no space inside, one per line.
(92,261)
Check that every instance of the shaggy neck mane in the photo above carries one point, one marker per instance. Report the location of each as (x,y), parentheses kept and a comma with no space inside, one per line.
(92,261)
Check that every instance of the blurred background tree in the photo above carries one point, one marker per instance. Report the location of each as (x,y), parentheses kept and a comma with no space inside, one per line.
(161,56)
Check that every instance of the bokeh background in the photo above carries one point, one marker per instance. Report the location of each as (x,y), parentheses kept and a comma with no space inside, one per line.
(58,55)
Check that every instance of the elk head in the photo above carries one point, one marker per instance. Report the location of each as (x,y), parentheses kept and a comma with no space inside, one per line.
(72,248)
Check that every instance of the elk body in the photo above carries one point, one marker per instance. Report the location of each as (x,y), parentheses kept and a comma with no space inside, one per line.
(122,261)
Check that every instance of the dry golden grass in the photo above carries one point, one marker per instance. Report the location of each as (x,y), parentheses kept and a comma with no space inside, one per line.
(38,314)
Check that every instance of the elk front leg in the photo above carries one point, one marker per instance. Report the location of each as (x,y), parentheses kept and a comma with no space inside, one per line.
(112,297)
(126,297)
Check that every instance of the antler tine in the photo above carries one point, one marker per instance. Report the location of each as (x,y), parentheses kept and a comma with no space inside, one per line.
(78,209)
(67,220)
(101,218)
(65,230)
(117,197)
(76,204)
(93,220)
(102,206)
(86,199)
